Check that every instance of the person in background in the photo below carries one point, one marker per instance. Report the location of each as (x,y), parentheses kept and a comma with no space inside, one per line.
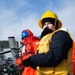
(31,43)
(54,54)
(11,70)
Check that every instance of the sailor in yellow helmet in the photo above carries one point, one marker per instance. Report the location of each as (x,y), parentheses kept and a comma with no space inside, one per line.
(54,54)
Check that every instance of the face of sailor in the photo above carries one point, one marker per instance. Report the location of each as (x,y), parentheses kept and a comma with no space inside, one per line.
(49,26)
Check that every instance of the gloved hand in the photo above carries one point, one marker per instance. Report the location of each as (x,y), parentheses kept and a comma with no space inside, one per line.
(26,62)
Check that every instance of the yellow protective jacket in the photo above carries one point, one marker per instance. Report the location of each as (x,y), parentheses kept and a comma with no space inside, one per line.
(64,68)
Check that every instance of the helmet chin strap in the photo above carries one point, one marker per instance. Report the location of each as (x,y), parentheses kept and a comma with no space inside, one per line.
(55,23)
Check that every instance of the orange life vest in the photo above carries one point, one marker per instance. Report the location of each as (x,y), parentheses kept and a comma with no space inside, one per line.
(31,45)
(73,56)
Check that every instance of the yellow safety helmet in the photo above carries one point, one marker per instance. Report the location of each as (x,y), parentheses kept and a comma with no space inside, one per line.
(49,14)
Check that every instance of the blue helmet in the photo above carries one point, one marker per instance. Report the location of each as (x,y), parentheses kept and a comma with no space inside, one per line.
(24,34)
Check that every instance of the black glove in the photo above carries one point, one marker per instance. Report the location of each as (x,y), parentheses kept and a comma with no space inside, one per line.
(26,62)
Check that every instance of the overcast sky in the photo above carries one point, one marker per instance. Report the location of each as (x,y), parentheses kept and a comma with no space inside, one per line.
(17,15)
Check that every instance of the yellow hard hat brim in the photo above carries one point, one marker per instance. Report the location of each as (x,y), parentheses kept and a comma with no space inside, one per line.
(59,23)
